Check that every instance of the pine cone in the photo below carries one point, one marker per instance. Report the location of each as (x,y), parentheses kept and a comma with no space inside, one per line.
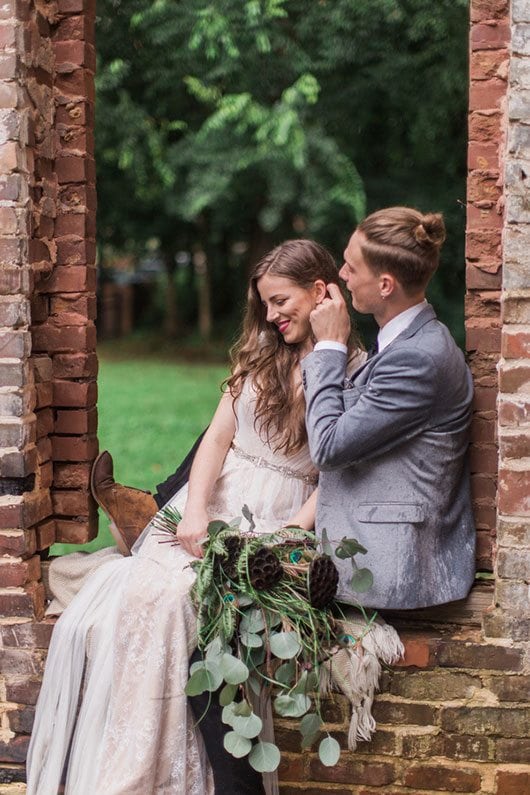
(265,569)
(233,546)
(323,581)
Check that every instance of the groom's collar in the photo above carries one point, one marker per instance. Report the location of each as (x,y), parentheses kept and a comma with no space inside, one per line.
(425,316)
(399,324)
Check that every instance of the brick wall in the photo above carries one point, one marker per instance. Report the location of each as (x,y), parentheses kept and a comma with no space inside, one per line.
(47,335)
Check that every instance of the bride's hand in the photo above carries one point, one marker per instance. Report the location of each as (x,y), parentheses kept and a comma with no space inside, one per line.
(192,530)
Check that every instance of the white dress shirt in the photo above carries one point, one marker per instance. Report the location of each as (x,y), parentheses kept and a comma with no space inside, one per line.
(386,335)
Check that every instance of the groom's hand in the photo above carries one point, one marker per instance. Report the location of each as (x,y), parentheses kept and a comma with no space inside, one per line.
(330,319)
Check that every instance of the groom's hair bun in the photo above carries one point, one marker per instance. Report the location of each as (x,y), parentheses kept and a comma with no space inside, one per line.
(431,230)
(404,242)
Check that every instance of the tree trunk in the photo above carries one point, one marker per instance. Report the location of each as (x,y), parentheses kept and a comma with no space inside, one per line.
(171,315)
(202,274)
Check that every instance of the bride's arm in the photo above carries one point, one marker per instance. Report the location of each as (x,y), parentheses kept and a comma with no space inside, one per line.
(306,515)
(206,468)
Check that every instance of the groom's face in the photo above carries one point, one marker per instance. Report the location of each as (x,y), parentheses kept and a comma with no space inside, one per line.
(362,283)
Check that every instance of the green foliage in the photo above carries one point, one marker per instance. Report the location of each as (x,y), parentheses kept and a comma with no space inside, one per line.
(249,121)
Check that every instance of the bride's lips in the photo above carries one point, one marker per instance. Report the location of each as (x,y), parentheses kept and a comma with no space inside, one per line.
(282,327)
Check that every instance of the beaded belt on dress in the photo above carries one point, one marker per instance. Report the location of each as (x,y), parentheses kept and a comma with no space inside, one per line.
(259,461)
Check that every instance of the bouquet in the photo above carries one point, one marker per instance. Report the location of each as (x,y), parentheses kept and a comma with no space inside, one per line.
(267,618)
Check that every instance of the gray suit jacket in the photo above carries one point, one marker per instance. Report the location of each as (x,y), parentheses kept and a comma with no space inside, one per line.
(391,446)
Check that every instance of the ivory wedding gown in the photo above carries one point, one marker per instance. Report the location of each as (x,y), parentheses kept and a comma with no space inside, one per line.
(112,705)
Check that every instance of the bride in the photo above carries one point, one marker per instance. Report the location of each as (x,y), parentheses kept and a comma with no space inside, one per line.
(112,717)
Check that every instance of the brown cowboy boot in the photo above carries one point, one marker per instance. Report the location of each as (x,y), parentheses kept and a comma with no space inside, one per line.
(129,510)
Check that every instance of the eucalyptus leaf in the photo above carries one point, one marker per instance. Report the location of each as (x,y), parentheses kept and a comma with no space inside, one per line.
(264,757)
(362,580)
(349,547)
(198,682)
(236,745)
(257,656)
(300,686)
(244,600)
(310,723)
(227,715)
(285,673)
(326,546)
(216,526)
(273,618)
(242,709)
(249,726)
(284,645)
(292,706)
(252,621)
(197,666)
(251,639)
(234,671)
(227,694)
(329,751)
(215,649)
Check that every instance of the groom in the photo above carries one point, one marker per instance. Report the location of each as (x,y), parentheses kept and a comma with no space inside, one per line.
(391,441)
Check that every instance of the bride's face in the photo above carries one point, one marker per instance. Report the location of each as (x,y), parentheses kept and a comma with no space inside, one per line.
(288,306)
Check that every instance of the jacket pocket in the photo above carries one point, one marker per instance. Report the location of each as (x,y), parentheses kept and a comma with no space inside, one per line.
(352,394)
(389,512)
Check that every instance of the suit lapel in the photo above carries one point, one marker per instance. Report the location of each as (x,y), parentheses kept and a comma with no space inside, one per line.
(425,316)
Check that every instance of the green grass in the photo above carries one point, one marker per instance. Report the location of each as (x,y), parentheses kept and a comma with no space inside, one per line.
(150,413)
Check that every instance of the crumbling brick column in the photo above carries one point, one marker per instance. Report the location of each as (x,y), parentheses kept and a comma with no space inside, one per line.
(47,335)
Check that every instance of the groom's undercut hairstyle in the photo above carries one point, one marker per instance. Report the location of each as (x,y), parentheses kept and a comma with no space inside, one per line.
(403,242)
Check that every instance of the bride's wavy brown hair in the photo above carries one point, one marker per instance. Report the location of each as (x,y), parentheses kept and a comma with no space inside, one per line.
(262,354)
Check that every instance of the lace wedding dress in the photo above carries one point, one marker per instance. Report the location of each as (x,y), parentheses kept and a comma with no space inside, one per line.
(112,706)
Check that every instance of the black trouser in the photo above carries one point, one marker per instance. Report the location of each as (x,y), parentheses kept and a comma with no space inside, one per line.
(231,776)
(170,486)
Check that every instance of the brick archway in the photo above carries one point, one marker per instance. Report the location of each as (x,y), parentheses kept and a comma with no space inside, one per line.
(455,716)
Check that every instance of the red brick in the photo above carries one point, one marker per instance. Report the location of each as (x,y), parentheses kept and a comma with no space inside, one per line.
(514,378)
(74,110)
(514,492)
(490,37)
(483,429)
(27,635)
(484,515)
(74,448)
(21,719)
(44,394)
(514,445)
(76,140)
(45,534)
(386,711)
(467,747)
(69,532)
(15,573)
(55,338)
(44,450)
(72,394)
(78,82)
(484,244)
(487,217)
(513,750)
(25,603)
(420,650)
(485,399)
(483,458)
(76,422)
(72,476)
(15,281)
(72,251)
(75,28)
(484,550)
(14,750)
(23,690)
(514,410)
(462,654)
(483,338)
(77,197)
(510,782)
(42,368)
(44,422)
(81,224)
(46,475)
(72,503)
(76,53)
(19,543)
(441,778)
(75,365)
(483,10)
(483,186)
(19,463)
(489,63)
(516,342)
(74,279)
(483,279)
(355,771)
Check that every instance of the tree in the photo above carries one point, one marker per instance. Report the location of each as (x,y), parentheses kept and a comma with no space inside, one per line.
(234,124)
